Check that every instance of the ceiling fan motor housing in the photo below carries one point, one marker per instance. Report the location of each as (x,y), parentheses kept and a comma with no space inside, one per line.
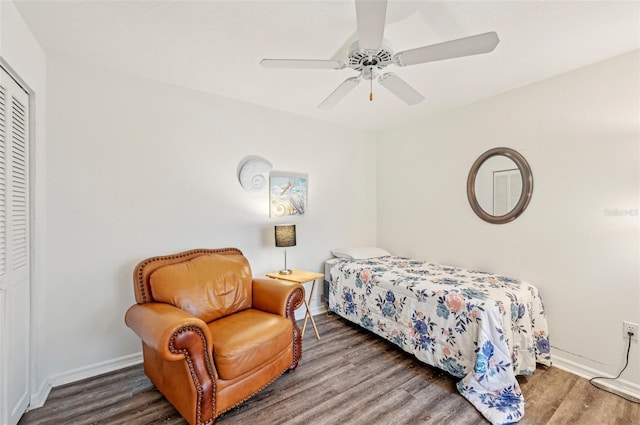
(360,59)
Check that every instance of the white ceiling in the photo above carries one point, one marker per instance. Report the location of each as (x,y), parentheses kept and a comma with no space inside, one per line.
(216,47)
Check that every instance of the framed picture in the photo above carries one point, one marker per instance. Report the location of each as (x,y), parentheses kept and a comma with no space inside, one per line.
(287,194)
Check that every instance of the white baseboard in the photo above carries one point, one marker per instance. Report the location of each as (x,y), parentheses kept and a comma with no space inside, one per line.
(95,369)
(40,396)
(620,385)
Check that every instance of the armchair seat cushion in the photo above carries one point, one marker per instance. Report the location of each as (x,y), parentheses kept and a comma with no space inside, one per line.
(248,340)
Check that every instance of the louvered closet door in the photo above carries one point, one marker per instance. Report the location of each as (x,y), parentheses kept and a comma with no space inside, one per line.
(14,250)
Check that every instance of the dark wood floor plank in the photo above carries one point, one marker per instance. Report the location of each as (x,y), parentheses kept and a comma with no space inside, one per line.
(541,404)
(348,377)
(585,404)
(357,399)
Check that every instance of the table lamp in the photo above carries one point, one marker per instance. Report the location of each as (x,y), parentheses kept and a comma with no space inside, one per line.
(285,237)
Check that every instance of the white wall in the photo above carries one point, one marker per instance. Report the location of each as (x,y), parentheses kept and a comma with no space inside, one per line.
(138,168)
(20,51)
(580,133)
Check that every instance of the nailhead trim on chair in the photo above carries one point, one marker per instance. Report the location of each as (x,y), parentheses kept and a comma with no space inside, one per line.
(143,264)
(297,336)
(196,381)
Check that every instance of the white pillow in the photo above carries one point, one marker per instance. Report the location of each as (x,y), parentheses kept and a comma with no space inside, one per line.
(360,253)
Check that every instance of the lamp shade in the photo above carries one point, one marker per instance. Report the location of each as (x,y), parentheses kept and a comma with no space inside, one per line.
(285,235)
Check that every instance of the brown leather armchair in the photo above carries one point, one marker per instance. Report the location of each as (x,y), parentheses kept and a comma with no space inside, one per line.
(212,336)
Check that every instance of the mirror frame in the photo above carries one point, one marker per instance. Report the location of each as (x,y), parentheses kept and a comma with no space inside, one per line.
(527,185)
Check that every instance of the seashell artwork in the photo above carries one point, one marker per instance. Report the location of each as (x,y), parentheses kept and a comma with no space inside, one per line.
(251,173)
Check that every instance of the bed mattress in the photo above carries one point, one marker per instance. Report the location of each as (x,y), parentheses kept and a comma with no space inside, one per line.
(480,327)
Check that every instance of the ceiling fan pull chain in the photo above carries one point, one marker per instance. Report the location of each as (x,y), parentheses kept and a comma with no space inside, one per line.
(371,87)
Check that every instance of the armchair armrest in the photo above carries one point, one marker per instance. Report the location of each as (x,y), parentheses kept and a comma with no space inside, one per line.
(277,296)
(164,328)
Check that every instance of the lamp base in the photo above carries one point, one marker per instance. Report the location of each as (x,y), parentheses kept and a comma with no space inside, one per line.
(285,271)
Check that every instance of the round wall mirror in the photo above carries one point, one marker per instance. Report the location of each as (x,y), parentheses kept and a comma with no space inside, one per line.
(499,186)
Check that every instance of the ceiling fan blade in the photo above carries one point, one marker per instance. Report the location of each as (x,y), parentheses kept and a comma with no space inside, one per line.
(370,15)
(467,46)
(301,63)
(400,88)
(340,92)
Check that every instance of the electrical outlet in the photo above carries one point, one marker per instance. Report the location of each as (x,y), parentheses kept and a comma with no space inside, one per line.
(630,327)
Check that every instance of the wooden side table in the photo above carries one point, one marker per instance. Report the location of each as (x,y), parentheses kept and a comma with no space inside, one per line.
(302,277)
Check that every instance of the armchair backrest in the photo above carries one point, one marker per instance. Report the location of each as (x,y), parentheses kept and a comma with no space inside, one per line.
(206,283)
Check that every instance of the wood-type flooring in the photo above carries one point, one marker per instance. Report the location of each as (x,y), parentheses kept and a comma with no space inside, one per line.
(348,377)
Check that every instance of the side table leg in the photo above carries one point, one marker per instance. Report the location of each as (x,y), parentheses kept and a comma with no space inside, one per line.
(307,314)
(313,322)
(315,329)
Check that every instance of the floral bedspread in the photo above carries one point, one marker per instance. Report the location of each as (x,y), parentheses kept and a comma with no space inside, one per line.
(480,327)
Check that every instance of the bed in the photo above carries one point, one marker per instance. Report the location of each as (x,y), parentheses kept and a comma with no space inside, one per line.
(480,327)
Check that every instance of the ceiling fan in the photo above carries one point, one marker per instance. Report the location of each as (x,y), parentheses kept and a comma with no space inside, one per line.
(371,54)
